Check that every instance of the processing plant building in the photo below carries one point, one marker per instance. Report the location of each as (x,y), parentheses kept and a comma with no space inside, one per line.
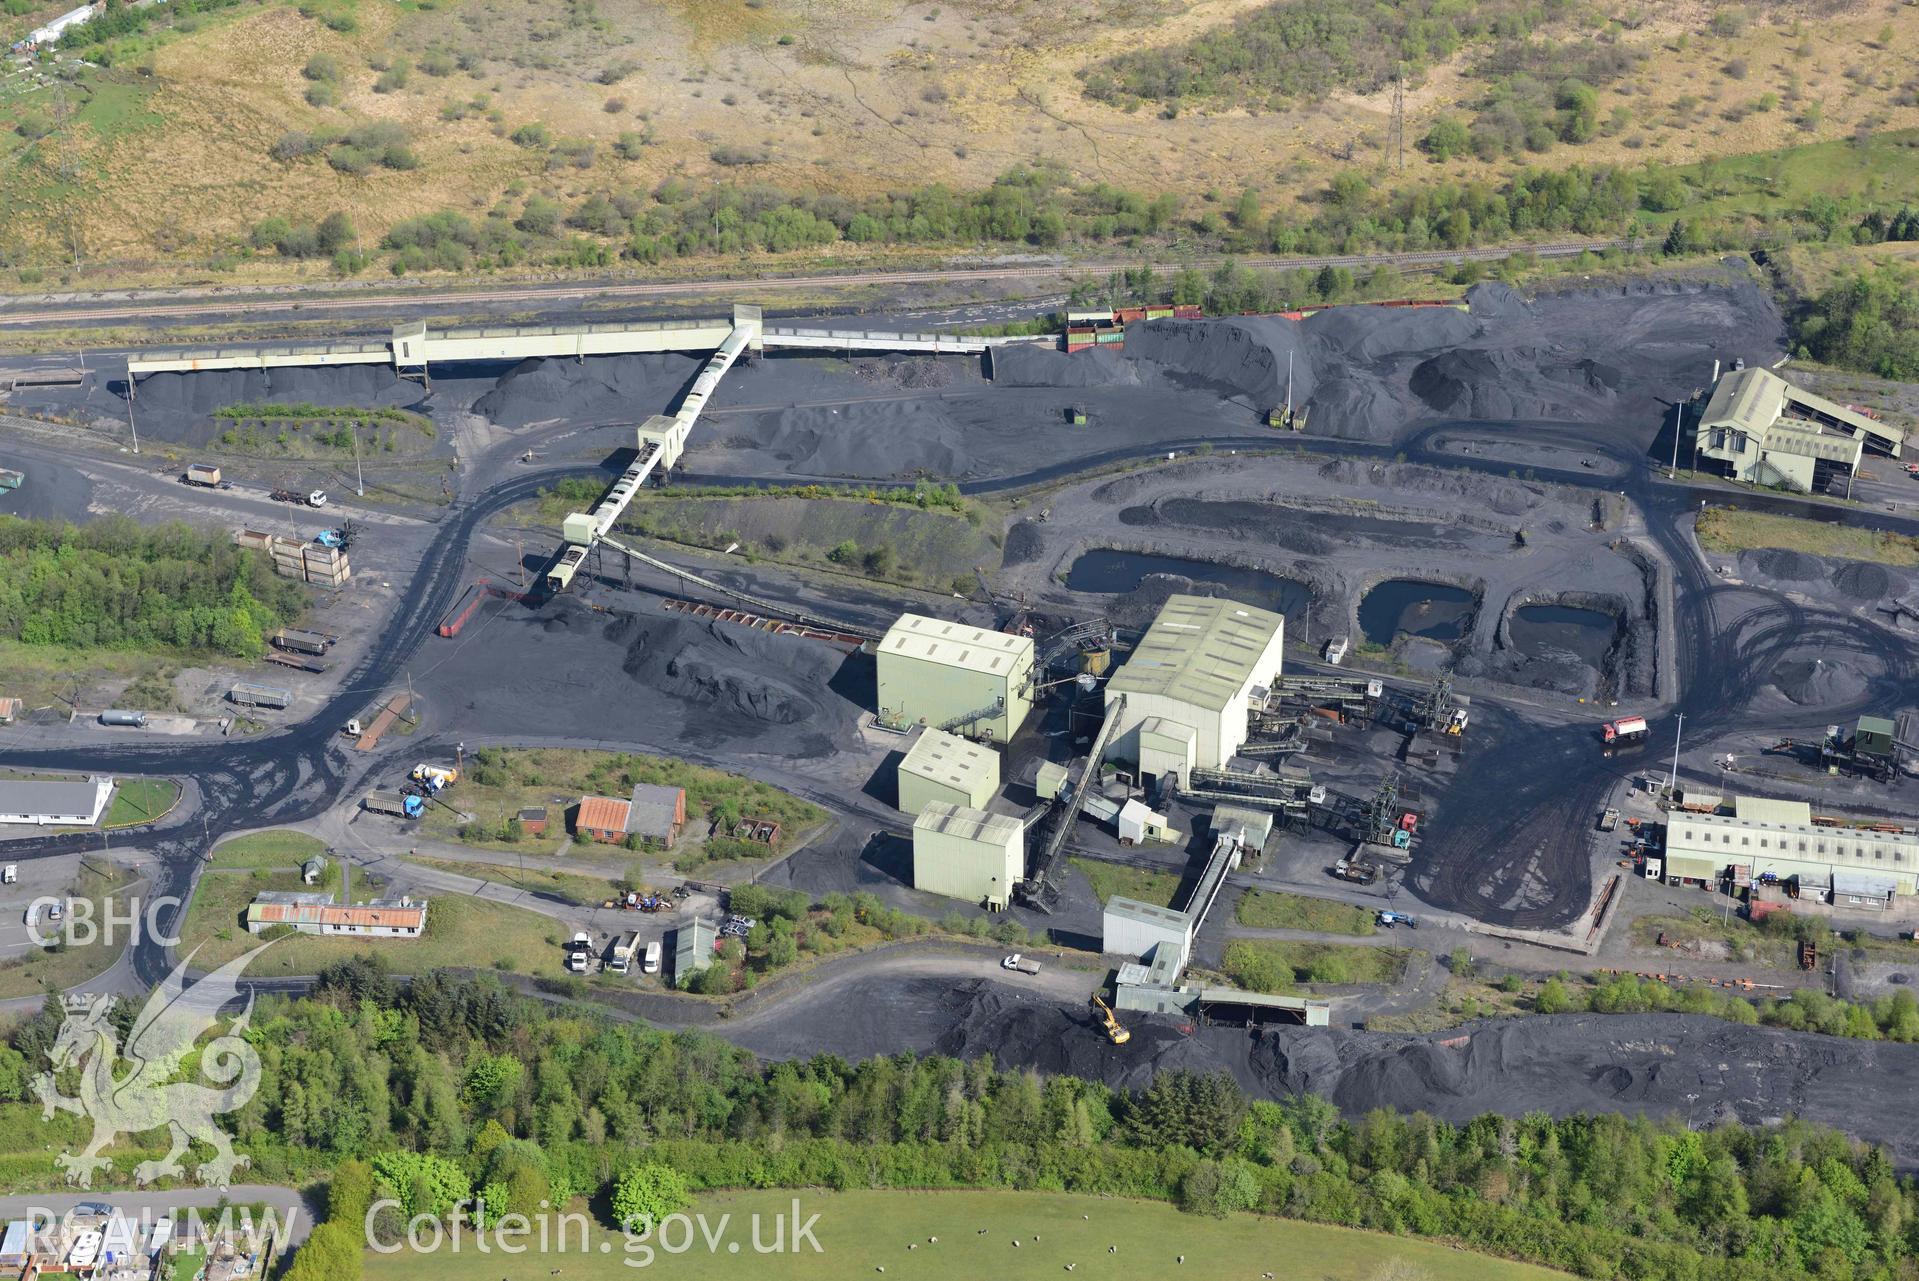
(954,677)
(968,854)
(1188,685)
(1766,431)
(945,767)
(1771,840)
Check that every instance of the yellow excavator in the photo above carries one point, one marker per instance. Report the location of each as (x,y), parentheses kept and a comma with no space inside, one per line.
(1114,1032)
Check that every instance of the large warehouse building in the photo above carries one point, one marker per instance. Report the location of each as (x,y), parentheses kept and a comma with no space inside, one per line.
(1778,840)
(1766,431)
(968,854)
(1189,684)
(954,677)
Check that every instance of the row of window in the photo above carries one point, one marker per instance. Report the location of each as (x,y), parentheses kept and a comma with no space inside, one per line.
(1878,851)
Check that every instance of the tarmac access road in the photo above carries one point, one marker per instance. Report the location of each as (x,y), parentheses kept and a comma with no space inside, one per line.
(169,306)
(1522,791)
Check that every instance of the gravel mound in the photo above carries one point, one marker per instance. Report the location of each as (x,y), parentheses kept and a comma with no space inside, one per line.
(1024,543)
(597,389)
(1819,682)
(1864,582)
(1789,566)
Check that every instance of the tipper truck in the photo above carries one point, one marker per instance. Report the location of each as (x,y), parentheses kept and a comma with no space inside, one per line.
(1627,731)
(620,960)
(204,474)
(394,803)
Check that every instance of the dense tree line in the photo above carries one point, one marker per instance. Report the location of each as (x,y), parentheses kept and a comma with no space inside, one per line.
(1868,321)
(113,584)
(451,1089)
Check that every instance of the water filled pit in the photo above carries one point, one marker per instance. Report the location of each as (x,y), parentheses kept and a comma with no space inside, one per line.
(1110,572)
(1435,611)
(1589,633)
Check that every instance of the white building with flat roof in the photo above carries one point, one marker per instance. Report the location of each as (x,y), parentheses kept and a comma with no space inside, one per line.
(62,802)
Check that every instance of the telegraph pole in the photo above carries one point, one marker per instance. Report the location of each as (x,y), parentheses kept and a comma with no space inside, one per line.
(135,430)
(358,472)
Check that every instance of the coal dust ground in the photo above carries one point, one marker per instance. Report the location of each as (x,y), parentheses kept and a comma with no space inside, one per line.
(1703,1070)
(647,676)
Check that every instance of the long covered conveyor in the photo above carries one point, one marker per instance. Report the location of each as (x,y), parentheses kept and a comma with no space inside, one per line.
(661,441)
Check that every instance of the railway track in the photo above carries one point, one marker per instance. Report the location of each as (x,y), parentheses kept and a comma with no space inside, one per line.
(174,306)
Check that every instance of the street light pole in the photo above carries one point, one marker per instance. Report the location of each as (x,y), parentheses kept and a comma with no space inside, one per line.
(1672,783)
(130,424)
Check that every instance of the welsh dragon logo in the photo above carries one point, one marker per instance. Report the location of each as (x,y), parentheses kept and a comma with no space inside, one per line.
(145,1096)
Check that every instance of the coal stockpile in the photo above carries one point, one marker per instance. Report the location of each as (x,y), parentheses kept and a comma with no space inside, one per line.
(1370,372)
(1790,566)
(1863,582)
(1703,1070)
(735,672)
(597,389)
(179,408)
(1820,682)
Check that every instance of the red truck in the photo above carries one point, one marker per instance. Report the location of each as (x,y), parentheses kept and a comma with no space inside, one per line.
(1624,732)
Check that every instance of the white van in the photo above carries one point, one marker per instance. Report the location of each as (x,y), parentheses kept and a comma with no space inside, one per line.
(652,964)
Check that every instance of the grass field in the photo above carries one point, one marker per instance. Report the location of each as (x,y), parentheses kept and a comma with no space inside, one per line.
(854,98)
(459,931)
(140,800)
(862,1233)
(1273,965)
(275,849)
(1277,910)
(53,970)
(499,783)
(1110,880)
(1724,529)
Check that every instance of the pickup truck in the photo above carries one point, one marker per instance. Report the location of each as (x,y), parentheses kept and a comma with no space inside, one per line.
(1021,963)
(578,951)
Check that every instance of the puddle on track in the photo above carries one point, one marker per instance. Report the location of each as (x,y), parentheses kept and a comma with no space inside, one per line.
(1433,610)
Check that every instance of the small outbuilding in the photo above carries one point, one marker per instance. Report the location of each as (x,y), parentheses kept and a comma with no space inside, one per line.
(693,945)
(533,820)
(945,767)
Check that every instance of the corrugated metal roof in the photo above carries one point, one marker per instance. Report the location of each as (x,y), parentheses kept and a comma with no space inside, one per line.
(1200,650)
(1147,913)
(968,824)
(951,761)
(973,649)
(389,915)
(602,814)
(1864,885)
(1761,809)
(55,797)
(654,809)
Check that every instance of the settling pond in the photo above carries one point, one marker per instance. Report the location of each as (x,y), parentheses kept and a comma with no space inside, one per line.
(1589,633)
(1433,610)
(1107,571)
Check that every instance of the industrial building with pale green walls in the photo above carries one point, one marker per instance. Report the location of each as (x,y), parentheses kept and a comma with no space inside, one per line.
(954,677)
(1763,430)
(1778,840)
(968,854)
(1190,683)
(945,767)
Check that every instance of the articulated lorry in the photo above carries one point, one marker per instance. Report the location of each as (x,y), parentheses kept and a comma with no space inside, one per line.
(397,804)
